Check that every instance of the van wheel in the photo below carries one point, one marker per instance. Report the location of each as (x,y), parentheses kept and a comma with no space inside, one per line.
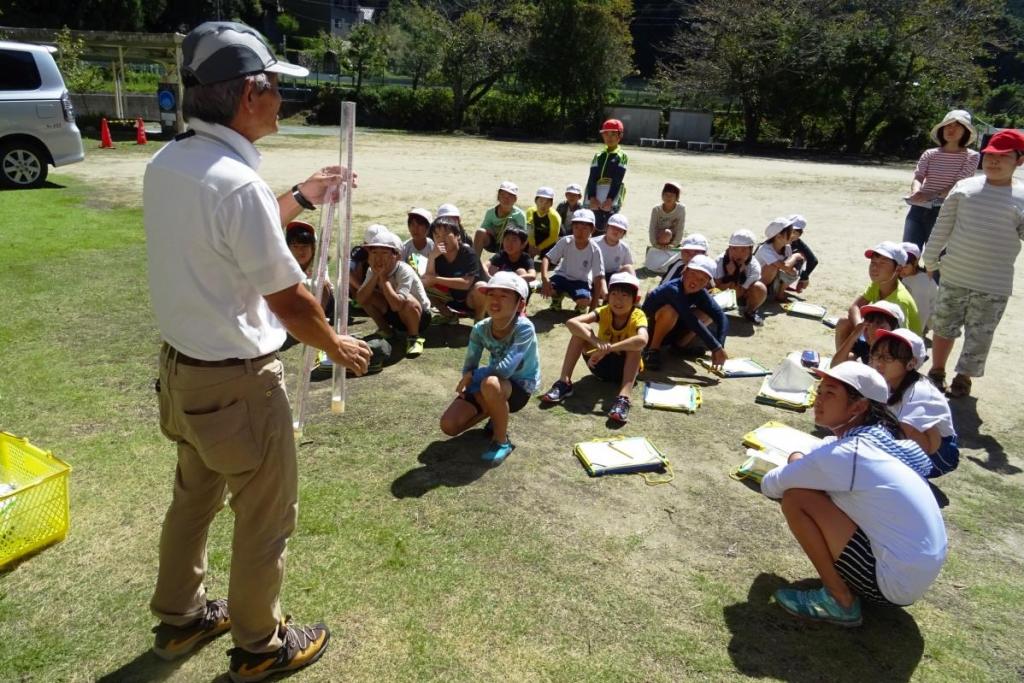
(22,165)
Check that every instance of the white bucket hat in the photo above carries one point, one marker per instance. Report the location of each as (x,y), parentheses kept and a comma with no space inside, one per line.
(961,116)
(625,278)
(797,221)
(448,210)
(695,242)
(704,264)
(864,378)
(422,213)
(545,192)
(510,187)
(777,226)
(383,238)
(583,216)
(890,250)
(574,188)
(373,231)
(911,249)
(742,238)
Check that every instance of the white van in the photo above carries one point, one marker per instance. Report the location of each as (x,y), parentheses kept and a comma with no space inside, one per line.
(37,121)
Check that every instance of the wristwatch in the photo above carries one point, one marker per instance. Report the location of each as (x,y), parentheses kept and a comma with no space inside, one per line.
(300,198)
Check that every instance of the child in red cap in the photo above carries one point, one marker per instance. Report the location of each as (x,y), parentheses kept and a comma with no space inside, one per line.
(980,227)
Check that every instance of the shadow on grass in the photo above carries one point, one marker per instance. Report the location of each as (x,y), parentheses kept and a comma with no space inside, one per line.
(968,426)
(768,642)
(47,185)
(146,667)
(449,335)
(546,320)
(451,462)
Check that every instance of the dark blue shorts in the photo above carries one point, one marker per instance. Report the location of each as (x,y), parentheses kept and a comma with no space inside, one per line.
(946,459)
(574,289)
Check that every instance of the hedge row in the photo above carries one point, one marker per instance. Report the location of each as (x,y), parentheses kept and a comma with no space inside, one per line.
(431,109)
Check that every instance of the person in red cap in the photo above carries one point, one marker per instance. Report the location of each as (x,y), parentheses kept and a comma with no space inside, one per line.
(974,244)
(605,189)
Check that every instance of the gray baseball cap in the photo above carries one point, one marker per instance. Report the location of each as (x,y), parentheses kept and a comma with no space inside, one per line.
(221,50)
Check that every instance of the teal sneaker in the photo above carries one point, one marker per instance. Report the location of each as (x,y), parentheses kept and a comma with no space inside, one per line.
(818,605)
(497,452)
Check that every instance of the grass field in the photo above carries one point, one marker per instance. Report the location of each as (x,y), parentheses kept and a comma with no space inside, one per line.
(428,566)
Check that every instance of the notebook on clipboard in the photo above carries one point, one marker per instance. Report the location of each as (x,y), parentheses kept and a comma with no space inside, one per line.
(621,456)
(805,310)
(726,299)
(683,398)
(790,387)
(769,446)
(736,367)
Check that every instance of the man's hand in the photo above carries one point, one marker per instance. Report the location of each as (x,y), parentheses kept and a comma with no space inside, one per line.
(315,187)
(718,358)
(351,353)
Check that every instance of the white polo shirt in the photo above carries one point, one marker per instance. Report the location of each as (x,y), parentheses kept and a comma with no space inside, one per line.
(215,244)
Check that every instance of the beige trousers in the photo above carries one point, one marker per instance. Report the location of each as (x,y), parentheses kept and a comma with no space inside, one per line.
(233,429)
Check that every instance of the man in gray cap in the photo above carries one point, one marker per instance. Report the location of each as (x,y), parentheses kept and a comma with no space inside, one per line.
(224,289)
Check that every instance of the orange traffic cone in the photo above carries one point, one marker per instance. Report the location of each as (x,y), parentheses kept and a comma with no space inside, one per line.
(140,131)
(105,141)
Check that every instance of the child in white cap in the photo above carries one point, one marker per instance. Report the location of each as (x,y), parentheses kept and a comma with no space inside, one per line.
(692,245)
(681,309)
(573,202)
(938,170)
(867,522)
(580,267)
(668,219)
(780,267)
(738,269)
(543,226)
(614,351)
(886,259)
(800,247)
(488,235)
(922,410)
(615,250)
(393,294)
(512,374)
(416,250)
(881,315)
(920,285)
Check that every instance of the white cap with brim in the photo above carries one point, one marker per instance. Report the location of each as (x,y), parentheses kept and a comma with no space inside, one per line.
(742,238)
(507,280)
(777,226)
(373,231)
(695,242)
(625,278)
(510,187)
(583,216)
(422,213)
(890,250)
(863,378)
(217,51)
(886,308)
(384,238)
(704,264)
(912,340)
(545,192)
(574,189)
(960,116)
(797,221)
(618,220)
(448,210)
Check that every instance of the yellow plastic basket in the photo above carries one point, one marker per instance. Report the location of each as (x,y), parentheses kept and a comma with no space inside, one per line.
(35,513)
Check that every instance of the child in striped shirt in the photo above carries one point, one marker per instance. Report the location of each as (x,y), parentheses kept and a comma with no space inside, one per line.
(980,226)
(938,170)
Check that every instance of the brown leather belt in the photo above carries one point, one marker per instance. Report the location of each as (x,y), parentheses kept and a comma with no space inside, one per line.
(179,357)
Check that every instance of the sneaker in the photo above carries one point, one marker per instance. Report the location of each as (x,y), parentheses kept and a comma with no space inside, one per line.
(556,302)
(558,392)
(652,359)
(498,452)
(938,378)
(414,347)
(620,410)
(302,646)
(818,605)
(172,642)
(960,386)
(755,318)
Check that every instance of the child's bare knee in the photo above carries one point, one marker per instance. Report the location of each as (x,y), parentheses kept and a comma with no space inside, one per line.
(448,426)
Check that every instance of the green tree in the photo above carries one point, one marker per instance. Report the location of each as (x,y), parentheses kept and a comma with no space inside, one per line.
(286,24)
(417,40)
(365,52)
(78,76)
(481,46)
(579,50)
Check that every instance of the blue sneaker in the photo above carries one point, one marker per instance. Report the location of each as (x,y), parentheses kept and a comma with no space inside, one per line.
(497,452)
(818,605)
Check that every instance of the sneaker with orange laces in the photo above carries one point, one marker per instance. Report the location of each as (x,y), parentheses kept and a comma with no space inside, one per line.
(172,642)
(302,646)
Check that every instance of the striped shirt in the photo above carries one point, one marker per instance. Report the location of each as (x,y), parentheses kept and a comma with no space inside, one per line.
(980,226)
(939,171)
